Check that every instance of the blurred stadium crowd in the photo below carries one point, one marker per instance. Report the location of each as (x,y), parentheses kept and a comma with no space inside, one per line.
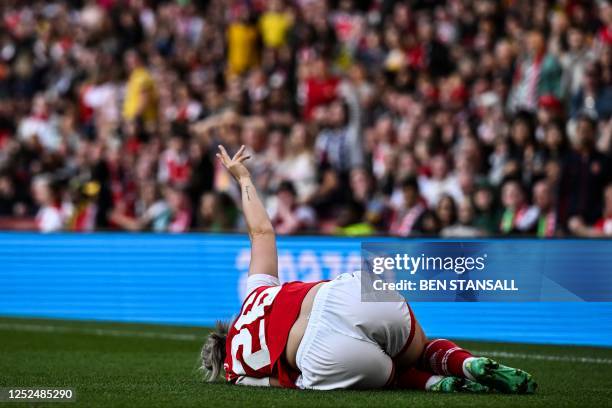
(459,118)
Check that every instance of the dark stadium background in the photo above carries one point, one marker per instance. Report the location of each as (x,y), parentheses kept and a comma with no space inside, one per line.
(411,119)
(454,119)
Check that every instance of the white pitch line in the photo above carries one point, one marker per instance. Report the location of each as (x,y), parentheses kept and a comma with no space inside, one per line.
(544,357)
(192,337)
(98,332)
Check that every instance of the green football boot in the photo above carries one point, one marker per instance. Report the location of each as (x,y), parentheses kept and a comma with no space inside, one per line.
(500,377)
(456,384)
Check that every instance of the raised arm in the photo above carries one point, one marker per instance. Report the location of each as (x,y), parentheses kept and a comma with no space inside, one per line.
(263,241)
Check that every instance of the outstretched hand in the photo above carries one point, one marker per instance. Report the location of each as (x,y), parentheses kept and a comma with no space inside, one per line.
(235,165)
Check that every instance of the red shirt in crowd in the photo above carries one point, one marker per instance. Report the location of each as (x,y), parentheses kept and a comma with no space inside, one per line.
(319,91)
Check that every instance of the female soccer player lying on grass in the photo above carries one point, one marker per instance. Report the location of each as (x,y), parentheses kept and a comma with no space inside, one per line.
(320,335)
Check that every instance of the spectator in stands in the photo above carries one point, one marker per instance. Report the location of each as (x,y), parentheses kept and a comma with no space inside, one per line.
(575,60)
(289,217)
(486,217)
(585,174)
(429,224)
(602,227)
(344,99)
(254,136)
(364,193)
(538,73)
(275,24)
(446,211)
(140,103)
(174,164)
(217,213)
(241,41)
(7,196)
(179,214)
(542,217)
(320,86)
(595,95)
(352,221)
(298,165)
(51,214)
(521,147)
(513,199)
(440,183)
(406,220)
(554,145)
(37,129)
(335,144)
(464,227)
(151,211)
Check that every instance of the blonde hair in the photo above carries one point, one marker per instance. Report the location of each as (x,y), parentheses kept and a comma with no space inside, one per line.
(213,353)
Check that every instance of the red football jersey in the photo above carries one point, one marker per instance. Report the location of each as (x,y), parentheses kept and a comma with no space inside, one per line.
(256,339)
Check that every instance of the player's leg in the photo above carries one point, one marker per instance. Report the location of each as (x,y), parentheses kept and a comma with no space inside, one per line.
(393,326)
(394,331)
(444,357)
(331,360)
(405,340)
(413,378)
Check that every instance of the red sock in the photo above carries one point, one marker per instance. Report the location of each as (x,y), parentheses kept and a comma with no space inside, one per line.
(412,379)
(444,357)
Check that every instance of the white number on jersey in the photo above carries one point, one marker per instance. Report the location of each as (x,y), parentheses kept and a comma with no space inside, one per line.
(244,338)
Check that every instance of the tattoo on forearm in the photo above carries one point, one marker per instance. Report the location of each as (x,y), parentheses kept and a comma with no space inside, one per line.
(246,191)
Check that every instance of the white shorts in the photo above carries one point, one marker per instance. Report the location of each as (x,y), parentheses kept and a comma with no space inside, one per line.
(349,343)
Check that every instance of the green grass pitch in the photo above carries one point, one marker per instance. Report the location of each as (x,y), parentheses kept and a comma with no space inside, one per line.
(155,366)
